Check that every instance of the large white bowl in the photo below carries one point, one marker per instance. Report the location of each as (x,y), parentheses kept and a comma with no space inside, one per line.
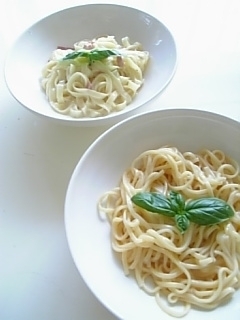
(100,169)
(33,48)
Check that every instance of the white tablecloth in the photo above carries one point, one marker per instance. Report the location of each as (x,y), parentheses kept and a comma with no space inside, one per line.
(38,279)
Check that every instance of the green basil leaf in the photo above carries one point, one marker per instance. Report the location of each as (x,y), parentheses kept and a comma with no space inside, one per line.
(75,54)
(208,211)
(92,55)
(177,201)
(182,222)
(154,202)
(102,54)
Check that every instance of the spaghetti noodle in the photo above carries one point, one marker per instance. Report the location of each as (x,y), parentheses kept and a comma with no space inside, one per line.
(199,268)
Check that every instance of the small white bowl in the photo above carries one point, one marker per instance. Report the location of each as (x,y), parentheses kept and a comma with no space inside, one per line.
(33,48)
(100,169)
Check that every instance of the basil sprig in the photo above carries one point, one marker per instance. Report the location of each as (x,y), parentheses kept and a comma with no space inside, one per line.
(91,55)
(204,211)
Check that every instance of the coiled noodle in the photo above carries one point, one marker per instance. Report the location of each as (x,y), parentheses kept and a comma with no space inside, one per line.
(97,89)
(198,268)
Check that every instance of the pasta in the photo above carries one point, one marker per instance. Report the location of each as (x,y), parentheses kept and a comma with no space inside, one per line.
(81,88)
(199,268)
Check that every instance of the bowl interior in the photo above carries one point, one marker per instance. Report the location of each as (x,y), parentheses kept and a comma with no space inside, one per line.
(32,50)
(89,237)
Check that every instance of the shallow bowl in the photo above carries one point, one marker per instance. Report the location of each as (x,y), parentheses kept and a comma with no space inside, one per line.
(100,169)
(33,48)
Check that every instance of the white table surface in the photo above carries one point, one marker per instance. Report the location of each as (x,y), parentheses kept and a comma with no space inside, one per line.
(38,279)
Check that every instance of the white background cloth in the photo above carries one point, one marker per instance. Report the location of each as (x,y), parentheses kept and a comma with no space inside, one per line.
(38,279)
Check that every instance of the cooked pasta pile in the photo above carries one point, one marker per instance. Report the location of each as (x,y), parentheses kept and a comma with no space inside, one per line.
(200,267)
(81,89)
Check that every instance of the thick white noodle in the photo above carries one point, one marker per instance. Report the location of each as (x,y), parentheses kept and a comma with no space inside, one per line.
(98,89)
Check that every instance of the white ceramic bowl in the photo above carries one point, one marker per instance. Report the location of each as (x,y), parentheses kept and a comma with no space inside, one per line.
(100,169)
(33,48)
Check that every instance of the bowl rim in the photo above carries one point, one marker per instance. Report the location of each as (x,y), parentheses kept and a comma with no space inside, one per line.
(181,112)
